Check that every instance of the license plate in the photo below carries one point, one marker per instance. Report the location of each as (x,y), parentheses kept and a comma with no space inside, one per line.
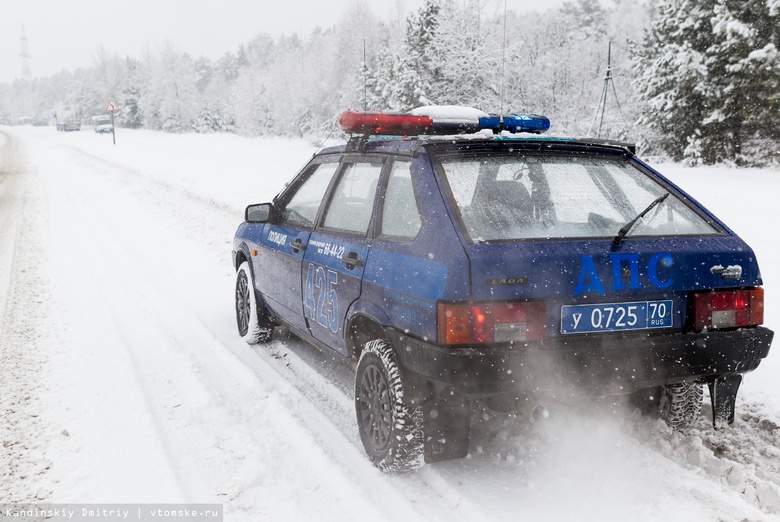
(611,317)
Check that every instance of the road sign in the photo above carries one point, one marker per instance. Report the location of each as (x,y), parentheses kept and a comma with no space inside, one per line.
(112,107)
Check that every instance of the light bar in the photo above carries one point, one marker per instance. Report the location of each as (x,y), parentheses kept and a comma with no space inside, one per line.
(452,119)
(441,120)
(395,124)
(516,123)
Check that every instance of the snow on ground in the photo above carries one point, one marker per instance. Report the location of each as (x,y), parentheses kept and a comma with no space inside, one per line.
(122,378)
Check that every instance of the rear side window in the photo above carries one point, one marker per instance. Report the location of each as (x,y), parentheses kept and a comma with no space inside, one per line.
(506,197)
(352,202)
(400,214)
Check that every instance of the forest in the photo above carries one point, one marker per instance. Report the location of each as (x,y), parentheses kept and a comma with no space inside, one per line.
(697,81)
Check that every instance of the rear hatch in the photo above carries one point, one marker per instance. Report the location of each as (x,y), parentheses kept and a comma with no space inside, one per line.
(605,242)
(592,286)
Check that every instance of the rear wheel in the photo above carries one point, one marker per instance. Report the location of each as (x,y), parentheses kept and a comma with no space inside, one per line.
(391,430)
(680,404)
(252,324)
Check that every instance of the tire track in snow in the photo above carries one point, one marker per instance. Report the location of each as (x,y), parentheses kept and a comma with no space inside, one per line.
(296,371)
(359,472)
(12,190)
(23,354)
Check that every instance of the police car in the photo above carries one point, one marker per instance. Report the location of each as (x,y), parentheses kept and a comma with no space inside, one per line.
(454,256)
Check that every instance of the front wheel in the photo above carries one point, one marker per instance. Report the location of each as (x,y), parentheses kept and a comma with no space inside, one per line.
(248,316)
(391,430)
(680,404)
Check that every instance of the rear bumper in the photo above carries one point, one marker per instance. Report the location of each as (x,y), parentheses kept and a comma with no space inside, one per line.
(594,364)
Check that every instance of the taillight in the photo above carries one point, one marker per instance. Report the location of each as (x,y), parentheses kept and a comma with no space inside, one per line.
(728,308)
(482,323)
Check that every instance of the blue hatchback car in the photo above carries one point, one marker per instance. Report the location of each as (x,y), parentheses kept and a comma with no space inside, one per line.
(451,257)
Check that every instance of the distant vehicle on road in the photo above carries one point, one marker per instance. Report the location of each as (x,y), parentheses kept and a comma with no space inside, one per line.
(102,123)
(68,117)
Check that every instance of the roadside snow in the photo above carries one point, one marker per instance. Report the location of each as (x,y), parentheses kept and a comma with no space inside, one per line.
(122,378)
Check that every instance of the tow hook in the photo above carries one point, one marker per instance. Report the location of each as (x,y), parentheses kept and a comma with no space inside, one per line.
(723,392)
(531,410)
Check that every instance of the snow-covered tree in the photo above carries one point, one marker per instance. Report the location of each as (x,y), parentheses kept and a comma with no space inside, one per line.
(419,52)
(170,102)
(746,60)
(129,95)
(589,17)
(447,52)
(392,83)
(5,113)
(707,74)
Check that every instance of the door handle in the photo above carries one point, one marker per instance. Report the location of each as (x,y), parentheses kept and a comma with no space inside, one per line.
(352,260)
(298,245)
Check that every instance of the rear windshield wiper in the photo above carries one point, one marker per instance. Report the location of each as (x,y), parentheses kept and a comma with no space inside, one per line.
(623,231)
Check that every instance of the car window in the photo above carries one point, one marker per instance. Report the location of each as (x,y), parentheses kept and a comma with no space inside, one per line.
(352,202)
(504,197)
(301,209)
(400,214)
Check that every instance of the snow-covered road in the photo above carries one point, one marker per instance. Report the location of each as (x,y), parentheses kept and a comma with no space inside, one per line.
(122,378)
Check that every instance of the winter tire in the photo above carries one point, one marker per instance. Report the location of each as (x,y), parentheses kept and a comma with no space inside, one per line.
(680,404)
(391,430)
(248,316)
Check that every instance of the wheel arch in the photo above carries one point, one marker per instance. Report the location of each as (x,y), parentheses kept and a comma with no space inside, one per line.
(240,258)
(362,328)
(241,255)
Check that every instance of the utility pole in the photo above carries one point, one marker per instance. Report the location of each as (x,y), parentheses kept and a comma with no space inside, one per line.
(24,59)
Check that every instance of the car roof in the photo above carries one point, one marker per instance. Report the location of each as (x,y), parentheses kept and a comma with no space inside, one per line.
(414,144)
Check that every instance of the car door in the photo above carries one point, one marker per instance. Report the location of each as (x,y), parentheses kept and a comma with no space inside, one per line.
(337,251)
(277,265)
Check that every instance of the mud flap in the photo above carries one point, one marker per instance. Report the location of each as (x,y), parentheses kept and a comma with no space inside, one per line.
(723,392)
(446,428)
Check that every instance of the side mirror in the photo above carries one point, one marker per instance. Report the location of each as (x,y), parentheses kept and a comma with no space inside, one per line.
(258,213)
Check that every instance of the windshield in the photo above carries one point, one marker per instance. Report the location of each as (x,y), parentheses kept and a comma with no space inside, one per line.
(512,196)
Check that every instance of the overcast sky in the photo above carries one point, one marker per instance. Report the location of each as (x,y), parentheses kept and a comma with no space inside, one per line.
(64,34)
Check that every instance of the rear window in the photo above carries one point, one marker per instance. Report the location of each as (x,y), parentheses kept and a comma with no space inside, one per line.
(508,197)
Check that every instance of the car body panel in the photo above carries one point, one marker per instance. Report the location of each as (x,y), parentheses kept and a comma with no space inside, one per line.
(277,268)
(332,284)
(584,272)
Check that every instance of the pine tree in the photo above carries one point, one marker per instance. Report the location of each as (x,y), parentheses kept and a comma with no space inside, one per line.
(392,83)
(748,56)
(587,16)
(5,114)
(423,58)
(673,79)
(130,95)
(709,78)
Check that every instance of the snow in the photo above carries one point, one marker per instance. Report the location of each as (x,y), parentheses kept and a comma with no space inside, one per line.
(769,52)
(453,113)
(123,379)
